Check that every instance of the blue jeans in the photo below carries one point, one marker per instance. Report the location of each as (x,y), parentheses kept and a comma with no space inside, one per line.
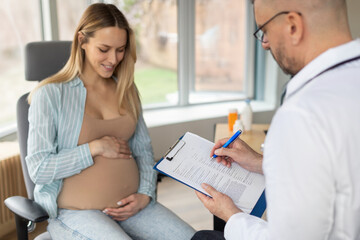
(153,222)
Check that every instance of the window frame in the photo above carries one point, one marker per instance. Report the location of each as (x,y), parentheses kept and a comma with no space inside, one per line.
(255,71)
(186,53)
(254,77)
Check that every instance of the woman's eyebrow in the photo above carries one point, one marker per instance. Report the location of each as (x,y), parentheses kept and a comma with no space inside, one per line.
(105,45)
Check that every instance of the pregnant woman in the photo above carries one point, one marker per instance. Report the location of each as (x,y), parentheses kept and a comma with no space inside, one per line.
(89,152)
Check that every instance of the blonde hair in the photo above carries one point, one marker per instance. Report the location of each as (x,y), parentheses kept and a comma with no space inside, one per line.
(96,17)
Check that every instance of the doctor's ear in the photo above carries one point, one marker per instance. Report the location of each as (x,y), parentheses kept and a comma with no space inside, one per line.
(295,27)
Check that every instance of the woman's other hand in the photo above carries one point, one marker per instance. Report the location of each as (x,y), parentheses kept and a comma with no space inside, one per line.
(110,147)
(128,206)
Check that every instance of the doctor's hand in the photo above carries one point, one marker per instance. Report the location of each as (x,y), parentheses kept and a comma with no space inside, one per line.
(110,147)
(238,151)
(220,204)
(128,206)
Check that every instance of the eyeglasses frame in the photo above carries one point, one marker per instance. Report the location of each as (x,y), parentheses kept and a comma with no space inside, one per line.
(261,38)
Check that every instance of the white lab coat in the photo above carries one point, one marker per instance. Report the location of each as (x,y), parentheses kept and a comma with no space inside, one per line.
(312,157)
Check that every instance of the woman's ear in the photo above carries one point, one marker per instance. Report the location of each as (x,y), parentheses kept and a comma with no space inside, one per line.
(295,27)
(81,39)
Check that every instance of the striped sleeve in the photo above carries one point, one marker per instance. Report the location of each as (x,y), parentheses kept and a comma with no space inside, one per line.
(141,148)
(46,163)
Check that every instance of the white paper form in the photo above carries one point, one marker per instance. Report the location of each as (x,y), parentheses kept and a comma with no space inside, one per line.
(190,163)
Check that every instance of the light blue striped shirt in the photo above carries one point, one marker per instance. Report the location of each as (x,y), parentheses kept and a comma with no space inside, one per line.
(55,118)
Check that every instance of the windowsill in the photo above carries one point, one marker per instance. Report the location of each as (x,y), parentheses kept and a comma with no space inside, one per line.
(161,117)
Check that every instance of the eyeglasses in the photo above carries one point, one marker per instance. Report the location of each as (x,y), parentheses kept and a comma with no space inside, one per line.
(259,34)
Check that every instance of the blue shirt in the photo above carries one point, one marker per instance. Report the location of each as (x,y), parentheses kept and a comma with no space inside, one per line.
(55,119)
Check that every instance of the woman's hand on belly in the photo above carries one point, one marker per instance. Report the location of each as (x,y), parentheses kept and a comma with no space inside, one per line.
(128,206)
(110,147)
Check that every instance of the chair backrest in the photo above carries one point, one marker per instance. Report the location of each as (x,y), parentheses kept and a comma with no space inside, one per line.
(42,59)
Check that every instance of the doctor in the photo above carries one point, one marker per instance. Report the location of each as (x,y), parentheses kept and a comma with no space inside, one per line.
(311,160)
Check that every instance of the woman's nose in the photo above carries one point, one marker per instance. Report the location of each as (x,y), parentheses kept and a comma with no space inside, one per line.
(113,57)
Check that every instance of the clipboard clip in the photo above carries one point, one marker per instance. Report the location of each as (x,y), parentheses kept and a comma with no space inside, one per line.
(174,149)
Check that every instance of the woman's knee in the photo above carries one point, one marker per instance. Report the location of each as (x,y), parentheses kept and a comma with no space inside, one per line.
(159,222)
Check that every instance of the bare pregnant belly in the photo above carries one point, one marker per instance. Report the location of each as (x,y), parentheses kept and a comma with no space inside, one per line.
(101,185)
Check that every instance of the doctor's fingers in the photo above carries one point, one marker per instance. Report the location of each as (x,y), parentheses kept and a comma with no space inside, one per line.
(212,191)
(226,161)
(228,154)
(218,145)
(236,144)
(206,200)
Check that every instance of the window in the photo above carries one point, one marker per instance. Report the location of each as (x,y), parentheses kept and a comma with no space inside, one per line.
(69,13)
(20,24)
(189,52)
(155,25)
(220,50)
(212,40)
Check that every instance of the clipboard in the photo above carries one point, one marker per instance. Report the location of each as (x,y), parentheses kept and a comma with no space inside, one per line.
(169,156)
(174,149)
(190,148)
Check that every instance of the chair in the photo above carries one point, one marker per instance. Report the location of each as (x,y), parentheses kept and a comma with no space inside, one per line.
(42,59)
